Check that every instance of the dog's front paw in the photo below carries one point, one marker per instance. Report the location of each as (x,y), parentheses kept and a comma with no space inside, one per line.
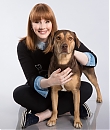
(51,122)
(99,100)
(77,124)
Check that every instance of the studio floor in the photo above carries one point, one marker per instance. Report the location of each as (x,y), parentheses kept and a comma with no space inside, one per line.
(10,117)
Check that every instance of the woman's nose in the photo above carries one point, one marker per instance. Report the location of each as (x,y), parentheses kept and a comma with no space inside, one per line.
(42,25)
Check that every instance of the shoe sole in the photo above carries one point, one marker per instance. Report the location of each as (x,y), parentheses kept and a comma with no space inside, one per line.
(23,119)
(88,109)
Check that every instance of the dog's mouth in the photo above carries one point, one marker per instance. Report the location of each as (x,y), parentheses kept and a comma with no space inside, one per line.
(64,51)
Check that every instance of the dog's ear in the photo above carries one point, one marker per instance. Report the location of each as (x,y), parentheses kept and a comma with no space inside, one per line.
(53,40)
(77,42)
(55,33)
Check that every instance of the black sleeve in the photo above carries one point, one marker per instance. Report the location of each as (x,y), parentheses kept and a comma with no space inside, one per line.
(83,48)
(27,64)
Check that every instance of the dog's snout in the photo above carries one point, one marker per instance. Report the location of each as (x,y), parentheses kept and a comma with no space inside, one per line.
(64,46)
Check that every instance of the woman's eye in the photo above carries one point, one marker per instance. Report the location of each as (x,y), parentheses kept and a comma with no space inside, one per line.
(47,21)
(37,21)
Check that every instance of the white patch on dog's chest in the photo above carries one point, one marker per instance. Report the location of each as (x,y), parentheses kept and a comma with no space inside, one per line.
(63,88)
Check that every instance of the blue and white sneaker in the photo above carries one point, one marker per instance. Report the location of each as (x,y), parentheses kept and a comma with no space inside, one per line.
(28,119)
(84,111)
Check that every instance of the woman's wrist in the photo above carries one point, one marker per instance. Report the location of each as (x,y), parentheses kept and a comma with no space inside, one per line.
(49,82)
(45,83)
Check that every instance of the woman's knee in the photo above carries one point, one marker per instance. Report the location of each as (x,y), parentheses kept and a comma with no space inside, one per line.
(19,93)
(16,94)
(90,89)
(86,87)
(85,91)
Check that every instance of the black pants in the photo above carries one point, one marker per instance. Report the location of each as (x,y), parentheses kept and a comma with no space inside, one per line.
(30,99)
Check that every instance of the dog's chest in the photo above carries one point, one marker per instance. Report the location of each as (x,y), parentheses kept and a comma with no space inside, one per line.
(63,88)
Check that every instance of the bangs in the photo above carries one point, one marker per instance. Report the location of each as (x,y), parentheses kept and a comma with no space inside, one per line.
(41,13)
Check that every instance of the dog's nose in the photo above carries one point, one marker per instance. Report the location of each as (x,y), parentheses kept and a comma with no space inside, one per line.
(64,46)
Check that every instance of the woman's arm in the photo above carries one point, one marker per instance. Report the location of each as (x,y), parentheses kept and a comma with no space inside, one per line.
(85,56)
(81,57)
(36,81)
(27,63)
(42,84)
(57,77)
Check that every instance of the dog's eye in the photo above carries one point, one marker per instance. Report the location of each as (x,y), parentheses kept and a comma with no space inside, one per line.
(58,38)
(70,38)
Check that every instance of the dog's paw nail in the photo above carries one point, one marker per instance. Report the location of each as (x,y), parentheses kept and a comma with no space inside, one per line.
(99,100)
(51,123)
(78,125)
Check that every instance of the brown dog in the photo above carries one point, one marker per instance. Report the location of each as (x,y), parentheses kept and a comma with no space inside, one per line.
(64,44)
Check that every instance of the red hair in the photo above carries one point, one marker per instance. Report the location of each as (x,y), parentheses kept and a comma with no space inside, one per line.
(40,11)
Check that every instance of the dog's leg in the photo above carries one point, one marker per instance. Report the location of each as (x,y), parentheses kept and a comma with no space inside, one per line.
(54,97)
(74,87)
(76,99)
(90,74)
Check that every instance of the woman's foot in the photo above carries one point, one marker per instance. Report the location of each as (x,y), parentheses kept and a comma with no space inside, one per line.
(84,111)
(44,115)
(29,118)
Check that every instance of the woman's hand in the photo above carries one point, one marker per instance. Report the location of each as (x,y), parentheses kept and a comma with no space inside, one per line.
(60,78)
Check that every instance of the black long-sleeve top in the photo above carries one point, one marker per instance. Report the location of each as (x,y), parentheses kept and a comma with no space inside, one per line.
(36,63)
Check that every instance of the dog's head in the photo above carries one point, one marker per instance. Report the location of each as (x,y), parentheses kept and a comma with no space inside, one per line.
(65,41)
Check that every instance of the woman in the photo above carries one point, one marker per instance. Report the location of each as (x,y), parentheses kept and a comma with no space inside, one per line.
(34,54)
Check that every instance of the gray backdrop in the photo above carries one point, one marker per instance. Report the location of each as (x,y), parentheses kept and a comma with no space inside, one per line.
(88,18)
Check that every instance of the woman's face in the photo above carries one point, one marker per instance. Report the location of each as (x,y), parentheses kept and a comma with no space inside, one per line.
(42,29)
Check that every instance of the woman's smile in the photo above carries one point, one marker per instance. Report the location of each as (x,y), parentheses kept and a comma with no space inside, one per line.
(42,29)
